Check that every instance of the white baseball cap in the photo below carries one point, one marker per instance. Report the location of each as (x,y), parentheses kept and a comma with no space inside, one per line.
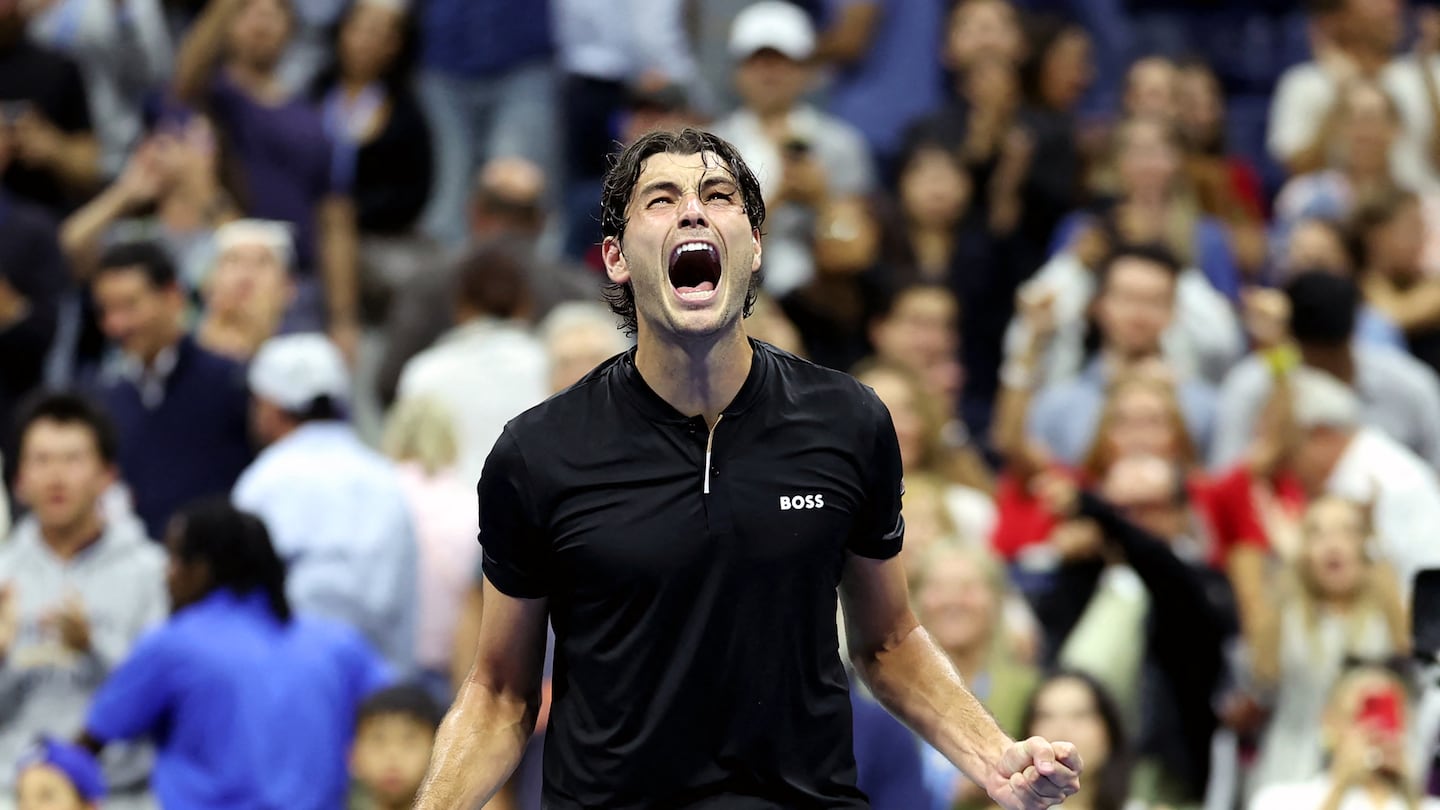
(293,371)
(772,24)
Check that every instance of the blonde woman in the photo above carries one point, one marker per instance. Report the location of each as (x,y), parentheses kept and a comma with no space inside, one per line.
(1334,603)
(420,438)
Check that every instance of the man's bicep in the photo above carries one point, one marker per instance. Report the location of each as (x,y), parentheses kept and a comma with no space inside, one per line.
(876,602)
(510,650)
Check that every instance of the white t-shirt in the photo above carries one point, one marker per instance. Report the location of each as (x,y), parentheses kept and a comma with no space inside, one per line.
(1407,500)
(1306,93)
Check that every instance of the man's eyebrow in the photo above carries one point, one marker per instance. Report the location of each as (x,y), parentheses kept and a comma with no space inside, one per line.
(659,185)
(716,180)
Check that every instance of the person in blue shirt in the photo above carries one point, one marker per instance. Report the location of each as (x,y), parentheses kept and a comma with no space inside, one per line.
(249,705)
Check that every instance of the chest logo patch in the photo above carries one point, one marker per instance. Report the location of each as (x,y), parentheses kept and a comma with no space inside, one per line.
(788,502)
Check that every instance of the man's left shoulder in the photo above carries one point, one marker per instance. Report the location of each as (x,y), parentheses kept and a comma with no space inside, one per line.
(816,383)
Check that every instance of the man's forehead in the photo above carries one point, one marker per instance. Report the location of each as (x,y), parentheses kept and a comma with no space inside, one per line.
(681,167)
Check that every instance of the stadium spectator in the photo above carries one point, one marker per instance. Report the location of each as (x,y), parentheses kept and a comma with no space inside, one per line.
(54,157)
(490,367)
(420,438)
(959,599)
(918,329)
(1398,394)
(77,588)
(380,136)
(179,408)
(832,308)
(394,732)
(802,156)
(334,507)
(931,233)
(248,702)
(1143,515)
(277,143)
(169,192)
(1324,245)
(578,336)
(1389,234)
(1074,706)
(1365,728)
(1334,602)
(1136,303)
(1340,455)
(249,290)
(489,90)
(508,209)
(123,51)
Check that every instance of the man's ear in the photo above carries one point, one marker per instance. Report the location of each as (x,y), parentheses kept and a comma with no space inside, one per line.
(755,240)
(616,267)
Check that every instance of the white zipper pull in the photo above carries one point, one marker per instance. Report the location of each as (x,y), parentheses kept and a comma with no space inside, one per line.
(709,444)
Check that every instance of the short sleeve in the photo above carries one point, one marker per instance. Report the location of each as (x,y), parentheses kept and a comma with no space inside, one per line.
(137,695)
(514,550)
(879,529)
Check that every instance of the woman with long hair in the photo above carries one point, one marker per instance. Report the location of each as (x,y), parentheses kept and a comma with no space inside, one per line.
(1334,602)
(1076,707)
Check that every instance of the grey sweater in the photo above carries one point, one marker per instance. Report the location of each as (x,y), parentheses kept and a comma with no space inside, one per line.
(45,687)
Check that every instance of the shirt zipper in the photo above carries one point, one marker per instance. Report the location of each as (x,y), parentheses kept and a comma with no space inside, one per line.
(709,444)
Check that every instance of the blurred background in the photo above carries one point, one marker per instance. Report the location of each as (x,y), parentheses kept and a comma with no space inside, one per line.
(1151,289)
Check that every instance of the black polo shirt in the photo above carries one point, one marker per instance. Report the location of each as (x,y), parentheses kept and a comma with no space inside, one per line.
(696,661)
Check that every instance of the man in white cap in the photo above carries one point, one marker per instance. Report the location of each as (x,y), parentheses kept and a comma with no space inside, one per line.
(802,156)
(333,506)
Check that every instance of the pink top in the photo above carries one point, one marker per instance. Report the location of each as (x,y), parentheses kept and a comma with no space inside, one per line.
(443,508)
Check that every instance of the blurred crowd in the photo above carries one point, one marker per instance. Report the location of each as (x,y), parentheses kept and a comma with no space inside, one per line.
(1151,289)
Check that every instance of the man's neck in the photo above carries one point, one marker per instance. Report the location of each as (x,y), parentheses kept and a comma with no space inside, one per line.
(148,360)
(1338,361)
(700,378)
(933,247)
(67,541)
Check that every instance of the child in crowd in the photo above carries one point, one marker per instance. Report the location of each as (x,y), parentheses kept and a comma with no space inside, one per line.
(56,775)
(393,736)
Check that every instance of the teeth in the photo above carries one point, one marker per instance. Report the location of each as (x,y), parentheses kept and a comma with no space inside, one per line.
(690,247)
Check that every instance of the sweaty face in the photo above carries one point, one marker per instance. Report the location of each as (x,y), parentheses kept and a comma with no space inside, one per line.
(1135,307)
(44,787)
(956,603)
(389,757)
(1333,550)
(1065,710)
(688,250)
(140,317)
(62,475)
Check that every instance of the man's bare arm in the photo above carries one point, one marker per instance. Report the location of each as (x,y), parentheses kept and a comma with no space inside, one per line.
(911,676)
(485,731)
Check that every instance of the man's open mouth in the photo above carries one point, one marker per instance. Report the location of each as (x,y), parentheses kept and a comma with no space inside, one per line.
(695,270)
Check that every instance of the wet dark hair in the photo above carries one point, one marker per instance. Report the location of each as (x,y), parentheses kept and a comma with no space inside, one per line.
(411,702)
(71,409)
(1323,307)
(236,546)
(1112,780)
(619,188)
